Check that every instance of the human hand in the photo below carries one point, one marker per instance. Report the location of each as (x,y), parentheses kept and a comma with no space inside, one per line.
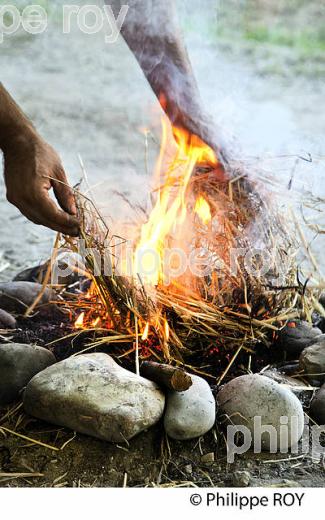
(31,169)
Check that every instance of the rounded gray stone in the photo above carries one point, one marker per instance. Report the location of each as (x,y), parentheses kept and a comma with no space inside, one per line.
(241,478)
(17,296)
(312,361)
(317,407)
(7,321)
(92,394)
(297,335)
(18,364)
(34,274)
(192,413)
(252,399)
(67,268)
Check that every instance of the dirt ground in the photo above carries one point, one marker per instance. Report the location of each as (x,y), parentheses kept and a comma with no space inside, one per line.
(89,98)
(149,460)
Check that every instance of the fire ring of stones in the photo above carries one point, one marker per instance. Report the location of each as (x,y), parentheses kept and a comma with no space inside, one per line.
(94,395)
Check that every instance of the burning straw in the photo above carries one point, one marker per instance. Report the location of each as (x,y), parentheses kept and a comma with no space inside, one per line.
(193,320)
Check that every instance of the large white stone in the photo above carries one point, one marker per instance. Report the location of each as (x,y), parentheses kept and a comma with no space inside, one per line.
(192,413)
(247,398)
(92,394)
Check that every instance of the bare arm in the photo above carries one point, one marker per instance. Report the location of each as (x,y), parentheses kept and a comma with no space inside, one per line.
(31,169)
(152,33)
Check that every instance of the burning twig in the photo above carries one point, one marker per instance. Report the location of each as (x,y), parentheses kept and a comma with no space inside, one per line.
(170,377)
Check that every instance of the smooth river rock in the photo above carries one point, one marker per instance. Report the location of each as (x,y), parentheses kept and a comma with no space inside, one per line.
(312,361)
(92,394)
(250,396)
(7,321)
(241,478)
(317,407)
(192,413)
(18,296)
(32,274)
(18,364)
(66,269)
(297,335)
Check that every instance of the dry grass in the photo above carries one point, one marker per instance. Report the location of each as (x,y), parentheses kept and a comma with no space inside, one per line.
(221,314)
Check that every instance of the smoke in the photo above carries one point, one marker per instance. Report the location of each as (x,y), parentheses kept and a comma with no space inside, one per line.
(90,98)
(277,143)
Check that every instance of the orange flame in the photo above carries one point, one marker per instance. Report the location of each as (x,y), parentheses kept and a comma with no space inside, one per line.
(79,323)
(166,330)
(169,212)
(96,322)
(202,209)
(145,333)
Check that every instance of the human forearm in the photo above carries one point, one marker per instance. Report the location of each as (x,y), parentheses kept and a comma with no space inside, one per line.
(14,125)
(152,33)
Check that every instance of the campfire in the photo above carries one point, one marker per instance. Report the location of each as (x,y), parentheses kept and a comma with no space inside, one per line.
(193,312)
(188,286)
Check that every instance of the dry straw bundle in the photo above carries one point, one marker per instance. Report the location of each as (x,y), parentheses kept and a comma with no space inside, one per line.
(204,321)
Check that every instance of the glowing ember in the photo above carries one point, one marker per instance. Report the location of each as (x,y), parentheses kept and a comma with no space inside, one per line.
(95,322)
(166,330)
(202,209)
(170,211)
(79,323)
(145,332)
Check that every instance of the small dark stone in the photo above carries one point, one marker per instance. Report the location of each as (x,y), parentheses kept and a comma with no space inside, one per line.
(317,407)
(321,325)
(18,296)
(241,479)
(65,270)
(208,458)
(32,274)
(318,321)
(312,360)
(314,382)
(297,335)
(288,368)
(19,363)
(7,321)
